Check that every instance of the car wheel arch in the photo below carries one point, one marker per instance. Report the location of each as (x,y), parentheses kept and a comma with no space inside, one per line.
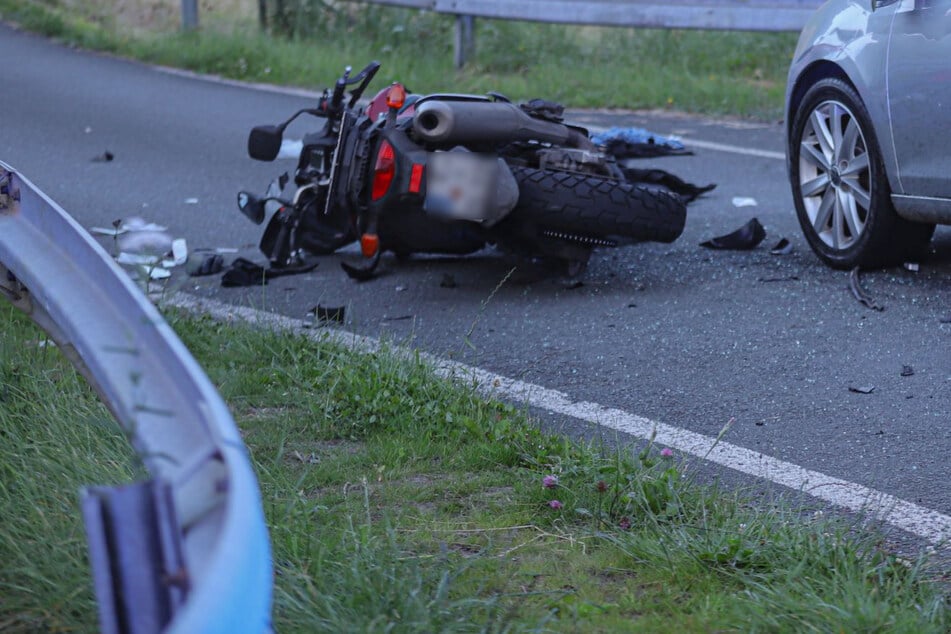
(822,69)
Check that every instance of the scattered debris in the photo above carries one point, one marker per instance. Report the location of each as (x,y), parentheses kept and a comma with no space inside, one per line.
(199,264)
(105,157)
(743,239)
(866,389)
(400,289)
(400,318)
(138,259)
(855,285)
(907,370)
(448,281)
(154,242)
(687,191)
(744,201)
(911,266)
(788,278)
(783,247)
(179,254)
(243,272)
(325,314)
(191,201)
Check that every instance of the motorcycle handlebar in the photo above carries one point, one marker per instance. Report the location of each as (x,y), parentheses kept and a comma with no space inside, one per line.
(364,77)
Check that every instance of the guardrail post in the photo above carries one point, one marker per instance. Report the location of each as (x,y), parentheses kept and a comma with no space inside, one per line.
(465,39)
(189,15)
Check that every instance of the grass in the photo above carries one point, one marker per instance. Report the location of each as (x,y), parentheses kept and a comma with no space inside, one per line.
(695,71)
(400,502)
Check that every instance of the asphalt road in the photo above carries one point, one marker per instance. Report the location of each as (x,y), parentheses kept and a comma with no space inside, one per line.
(675,333)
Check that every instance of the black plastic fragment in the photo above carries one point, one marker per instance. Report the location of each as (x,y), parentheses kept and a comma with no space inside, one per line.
(204,264)
(907,370)
(365,273)
(864,389)
(326,314)
(243,272)
(745,238)
(105,157)
(855,285)
(687,191)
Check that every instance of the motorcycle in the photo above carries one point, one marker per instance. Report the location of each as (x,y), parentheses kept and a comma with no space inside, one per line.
(450,174)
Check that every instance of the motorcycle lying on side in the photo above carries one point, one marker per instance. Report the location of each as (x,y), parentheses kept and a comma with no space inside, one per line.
(450,174)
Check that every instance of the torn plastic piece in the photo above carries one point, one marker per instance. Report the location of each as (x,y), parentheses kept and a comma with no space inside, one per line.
(326,314)
(744,201)
(865,389)
(191,201)
(907,370)
(788,278)
(743,239)
(179,254)
(855,285)
(783,247)
(105,157)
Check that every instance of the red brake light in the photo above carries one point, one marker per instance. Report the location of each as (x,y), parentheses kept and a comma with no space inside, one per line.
(384,170)
(416,178)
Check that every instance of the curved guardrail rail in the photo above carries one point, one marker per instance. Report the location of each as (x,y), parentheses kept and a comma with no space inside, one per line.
(187,551)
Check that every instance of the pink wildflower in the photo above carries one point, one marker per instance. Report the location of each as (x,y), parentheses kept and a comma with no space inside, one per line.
(555,504)
(550,481)
(666,452)
(624,523)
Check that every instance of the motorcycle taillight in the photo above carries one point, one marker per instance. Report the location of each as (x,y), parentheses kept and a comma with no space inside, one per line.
(384,170)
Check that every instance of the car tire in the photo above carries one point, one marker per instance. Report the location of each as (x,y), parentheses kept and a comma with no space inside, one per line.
(839,185)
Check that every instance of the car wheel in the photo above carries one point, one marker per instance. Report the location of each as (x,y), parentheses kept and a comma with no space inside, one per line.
(839,184)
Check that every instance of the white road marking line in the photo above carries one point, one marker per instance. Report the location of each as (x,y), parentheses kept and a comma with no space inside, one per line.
(918,520)
(734,149)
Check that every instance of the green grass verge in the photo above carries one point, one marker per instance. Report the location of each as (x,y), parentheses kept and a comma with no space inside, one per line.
(708,72)
(401,502)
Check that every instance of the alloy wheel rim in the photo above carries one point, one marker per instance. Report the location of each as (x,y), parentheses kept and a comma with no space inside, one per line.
(835,175)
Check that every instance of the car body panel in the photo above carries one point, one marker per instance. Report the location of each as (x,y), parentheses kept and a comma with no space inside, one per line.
(919,95)
(864,44)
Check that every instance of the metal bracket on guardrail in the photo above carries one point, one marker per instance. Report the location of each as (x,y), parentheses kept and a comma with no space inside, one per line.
(187,551)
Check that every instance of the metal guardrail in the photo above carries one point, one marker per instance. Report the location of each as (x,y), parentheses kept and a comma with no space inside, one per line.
(730,15)
(187,551)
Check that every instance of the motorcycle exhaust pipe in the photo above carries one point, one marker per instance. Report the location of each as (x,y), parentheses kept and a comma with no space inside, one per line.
(485,122)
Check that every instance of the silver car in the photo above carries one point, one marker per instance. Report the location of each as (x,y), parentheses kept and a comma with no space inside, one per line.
(868,115)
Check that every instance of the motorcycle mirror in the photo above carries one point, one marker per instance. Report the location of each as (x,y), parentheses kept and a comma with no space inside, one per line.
(264,142)
(251,206)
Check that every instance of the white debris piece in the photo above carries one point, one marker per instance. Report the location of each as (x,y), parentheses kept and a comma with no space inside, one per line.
(179,253)
(191,201)
(744,201)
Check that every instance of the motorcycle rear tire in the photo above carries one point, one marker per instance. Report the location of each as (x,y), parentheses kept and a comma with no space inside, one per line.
(597,207)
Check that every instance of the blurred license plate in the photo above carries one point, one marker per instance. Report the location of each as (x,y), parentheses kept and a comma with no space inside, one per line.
(461,185)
